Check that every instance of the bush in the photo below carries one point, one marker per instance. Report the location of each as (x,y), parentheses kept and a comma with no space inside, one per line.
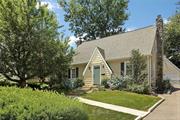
(25,104)
(38,85)
(105,83)
(77,83)
(167,86)
(64,86)
(141,89)
(68,85)
(117,83)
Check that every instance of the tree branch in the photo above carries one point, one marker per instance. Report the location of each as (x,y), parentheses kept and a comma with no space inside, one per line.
(9,78)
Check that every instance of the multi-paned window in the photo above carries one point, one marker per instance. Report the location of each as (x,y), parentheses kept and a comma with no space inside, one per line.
(73,73)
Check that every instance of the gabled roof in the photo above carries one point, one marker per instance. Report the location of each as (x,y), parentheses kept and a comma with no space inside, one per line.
(118,46)
(100,52)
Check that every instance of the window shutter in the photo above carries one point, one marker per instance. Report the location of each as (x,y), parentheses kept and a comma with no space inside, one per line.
(69,73)
(77,72)
(122,69)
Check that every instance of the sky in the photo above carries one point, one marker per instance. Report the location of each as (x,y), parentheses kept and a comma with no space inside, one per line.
(142,13)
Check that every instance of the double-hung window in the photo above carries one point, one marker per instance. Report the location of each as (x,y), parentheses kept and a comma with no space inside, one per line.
(73,73)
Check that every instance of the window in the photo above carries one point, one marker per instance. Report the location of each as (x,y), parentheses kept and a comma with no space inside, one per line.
(126,68)
(77,72)
(73,73)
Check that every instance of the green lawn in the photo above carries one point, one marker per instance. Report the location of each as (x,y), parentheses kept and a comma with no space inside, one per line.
(123,98)
(96,113)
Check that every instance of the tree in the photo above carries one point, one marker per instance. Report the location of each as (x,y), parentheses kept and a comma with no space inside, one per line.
(92,19)
(139,67)
(29,41)
(62,62)
(172,39)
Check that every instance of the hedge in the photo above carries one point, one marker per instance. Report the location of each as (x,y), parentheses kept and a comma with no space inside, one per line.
(26,104)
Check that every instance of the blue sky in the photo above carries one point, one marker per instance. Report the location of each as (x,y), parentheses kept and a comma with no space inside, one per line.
(142,13)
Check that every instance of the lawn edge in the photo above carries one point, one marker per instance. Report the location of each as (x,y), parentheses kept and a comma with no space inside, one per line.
(151,108)
(113,107)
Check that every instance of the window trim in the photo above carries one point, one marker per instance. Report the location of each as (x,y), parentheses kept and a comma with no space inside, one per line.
(125,68)
(72,73)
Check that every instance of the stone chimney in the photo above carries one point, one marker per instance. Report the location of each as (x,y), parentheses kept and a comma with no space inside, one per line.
(79,42)
(159,54)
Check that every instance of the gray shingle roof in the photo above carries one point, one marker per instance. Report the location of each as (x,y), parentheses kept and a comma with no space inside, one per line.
(118,46)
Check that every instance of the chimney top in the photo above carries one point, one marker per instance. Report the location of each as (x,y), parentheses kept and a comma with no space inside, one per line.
(159,21)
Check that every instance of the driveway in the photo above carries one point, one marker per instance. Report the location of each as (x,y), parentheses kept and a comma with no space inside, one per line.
(169,109)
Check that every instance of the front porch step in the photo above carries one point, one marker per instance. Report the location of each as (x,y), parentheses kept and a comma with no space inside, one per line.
(88,82)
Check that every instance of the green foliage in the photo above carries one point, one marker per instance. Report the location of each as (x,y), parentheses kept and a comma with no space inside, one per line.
(25,104)
(139,67)
(68,85)
(90,19)
(7,83)
(117,83)
(105,83)
(126,83)
(38,85)
(61,62)
(30,43)
(172,39)
(167,86)
(77,83)
(137,88)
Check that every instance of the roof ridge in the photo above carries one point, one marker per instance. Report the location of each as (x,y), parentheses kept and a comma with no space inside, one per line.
(121,33)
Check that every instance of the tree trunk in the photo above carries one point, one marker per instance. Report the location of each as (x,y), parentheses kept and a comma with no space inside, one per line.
(22,83)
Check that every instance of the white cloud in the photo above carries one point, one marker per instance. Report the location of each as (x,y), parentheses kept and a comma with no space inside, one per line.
(73,40)
(130,29)
(165,20)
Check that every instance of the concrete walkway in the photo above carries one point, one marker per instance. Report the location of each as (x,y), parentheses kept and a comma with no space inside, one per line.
(169,109)
(113,107)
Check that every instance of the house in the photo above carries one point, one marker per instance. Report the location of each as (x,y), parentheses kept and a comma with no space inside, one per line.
(107,57)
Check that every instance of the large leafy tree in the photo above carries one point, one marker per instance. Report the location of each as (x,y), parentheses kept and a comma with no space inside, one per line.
(172,39)
(29,41)
(92,19)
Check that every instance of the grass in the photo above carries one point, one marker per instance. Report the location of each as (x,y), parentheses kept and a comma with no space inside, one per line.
(96,113)
(123,98)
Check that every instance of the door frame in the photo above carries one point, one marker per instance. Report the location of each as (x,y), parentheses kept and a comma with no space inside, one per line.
(93,72)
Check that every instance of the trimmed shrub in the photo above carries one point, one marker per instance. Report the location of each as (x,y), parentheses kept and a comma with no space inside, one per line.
(25,104)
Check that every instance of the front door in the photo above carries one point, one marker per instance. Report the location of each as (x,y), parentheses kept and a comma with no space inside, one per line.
(96,75)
